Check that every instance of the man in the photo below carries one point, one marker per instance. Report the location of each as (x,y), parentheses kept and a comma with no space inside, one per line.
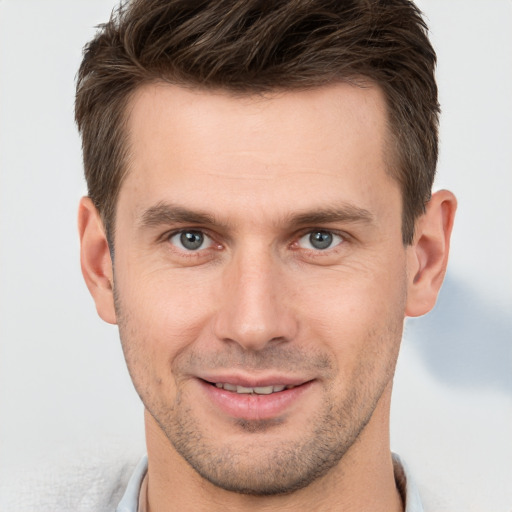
(259,223)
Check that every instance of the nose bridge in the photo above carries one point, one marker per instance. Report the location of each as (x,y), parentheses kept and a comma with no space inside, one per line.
(253,311)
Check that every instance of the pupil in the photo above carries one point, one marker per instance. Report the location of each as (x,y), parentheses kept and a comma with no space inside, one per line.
(191,239)
(320,239)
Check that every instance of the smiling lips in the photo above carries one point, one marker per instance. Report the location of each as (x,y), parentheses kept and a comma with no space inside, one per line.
(261,402)
(257,390)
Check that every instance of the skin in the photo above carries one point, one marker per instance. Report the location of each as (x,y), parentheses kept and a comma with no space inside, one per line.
(257,302)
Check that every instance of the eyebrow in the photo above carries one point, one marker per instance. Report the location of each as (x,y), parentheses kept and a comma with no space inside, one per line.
(343,213)
(166,213)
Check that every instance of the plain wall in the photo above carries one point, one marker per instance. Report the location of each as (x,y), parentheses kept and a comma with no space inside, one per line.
(63,382)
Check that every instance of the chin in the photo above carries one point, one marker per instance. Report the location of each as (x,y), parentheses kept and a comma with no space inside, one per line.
(268,464)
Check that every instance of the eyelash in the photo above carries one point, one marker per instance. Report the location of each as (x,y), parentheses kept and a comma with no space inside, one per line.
(294,245)
(167,238)
(333,234)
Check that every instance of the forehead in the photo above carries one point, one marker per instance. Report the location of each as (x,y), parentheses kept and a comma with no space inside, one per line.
(277,150)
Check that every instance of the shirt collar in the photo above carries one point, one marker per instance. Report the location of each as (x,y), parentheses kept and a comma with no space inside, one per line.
(130,499)
(406,486)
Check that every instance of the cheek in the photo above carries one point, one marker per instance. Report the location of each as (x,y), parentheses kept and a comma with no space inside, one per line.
(158,319)
(356,313)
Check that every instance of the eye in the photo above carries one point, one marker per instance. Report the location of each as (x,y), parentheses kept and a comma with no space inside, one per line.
(191,240)
(320,240)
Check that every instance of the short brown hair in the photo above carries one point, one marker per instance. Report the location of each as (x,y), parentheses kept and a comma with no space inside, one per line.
(253,46)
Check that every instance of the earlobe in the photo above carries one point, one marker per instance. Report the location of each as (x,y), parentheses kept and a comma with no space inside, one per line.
(95,259)
(428,255)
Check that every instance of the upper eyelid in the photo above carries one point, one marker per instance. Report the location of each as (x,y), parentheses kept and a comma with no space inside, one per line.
(172,232)
(219,236)
(343,234)
(175,232)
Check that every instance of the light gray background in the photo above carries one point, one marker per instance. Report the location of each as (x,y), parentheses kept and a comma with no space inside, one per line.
(63,384)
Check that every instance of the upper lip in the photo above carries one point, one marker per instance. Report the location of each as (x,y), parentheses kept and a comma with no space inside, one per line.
(254,381)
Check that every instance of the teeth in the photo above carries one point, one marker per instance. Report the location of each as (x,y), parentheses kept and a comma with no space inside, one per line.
(265,390)
(258,390)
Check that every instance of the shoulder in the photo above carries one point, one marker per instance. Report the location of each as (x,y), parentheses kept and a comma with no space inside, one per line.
(92,479)
(424,493)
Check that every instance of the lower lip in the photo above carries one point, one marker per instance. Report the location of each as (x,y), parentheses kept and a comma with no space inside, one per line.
(252,406)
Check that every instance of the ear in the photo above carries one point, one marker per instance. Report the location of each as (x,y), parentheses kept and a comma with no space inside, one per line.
(428,255)
(95,259)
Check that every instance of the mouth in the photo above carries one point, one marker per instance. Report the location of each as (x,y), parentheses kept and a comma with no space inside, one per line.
(255,400)
(256,390)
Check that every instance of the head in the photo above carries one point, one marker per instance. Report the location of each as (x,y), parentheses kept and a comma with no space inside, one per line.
(255,47)
(263,172)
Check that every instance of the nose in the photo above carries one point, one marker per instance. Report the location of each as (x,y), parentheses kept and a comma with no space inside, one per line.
(255,308)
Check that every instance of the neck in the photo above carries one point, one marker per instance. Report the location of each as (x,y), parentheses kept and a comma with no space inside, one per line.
(363,480)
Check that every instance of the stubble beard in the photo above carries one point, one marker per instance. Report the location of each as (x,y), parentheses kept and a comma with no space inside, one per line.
(264,464)
(259,467)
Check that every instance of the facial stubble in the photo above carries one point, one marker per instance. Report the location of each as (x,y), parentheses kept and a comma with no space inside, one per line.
(265,464)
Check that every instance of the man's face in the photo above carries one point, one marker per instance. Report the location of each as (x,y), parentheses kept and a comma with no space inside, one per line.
(260,277)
